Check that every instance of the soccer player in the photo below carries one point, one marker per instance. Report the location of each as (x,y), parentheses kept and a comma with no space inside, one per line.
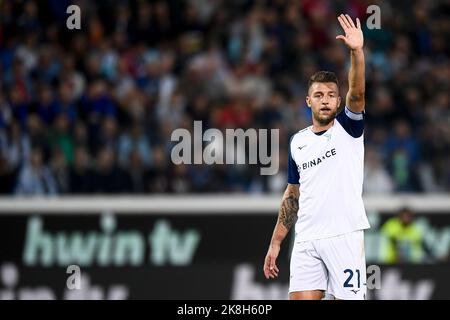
(324,191)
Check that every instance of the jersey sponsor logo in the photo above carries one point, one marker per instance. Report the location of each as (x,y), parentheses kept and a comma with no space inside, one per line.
(318,160)
(301,147)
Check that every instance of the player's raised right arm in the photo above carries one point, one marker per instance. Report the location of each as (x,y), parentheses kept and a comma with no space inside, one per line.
(287,216)
(354,40)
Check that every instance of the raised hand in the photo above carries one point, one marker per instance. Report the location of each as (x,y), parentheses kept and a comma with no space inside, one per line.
(353,38)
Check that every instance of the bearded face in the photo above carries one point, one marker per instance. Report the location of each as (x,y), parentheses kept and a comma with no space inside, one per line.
(323,99)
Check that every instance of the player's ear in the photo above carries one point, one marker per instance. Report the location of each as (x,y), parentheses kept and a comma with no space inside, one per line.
(308,101)
(339,102)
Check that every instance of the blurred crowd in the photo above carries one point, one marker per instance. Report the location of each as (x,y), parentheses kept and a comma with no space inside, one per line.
(92,110)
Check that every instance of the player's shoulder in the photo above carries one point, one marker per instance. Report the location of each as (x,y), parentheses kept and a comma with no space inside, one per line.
(299,134)
(351,122)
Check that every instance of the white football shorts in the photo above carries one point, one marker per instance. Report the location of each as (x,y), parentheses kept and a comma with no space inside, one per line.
(336,265)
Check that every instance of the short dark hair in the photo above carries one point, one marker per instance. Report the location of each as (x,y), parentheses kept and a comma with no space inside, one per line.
(323,76)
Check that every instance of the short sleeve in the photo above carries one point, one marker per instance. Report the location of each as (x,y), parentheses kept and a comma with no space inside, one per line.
(293,175)
(353,123)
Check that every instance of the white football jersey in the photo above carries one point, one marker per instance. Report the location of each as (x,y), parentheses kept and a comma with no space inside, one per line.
(329,168)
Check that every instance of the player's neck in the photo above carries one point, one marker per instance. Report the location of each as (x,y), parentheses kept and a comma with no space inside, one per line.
(317,127)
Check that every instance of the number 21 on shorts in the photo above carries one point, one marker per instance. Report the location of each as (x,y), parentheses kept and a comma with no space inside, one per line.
(349,283)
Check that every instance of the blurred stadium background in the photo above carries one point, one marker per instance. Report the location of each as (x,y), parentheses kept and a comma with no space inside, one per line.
(85,123)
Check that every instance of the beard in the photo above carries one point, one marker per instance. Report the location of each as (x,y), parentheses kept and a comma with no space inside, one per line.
(322,119)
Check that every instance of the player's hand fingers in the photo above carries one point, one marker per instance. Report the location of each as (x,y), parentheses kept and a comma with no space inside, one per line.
(350,21)
(269,273)
(358,23)
(346,22)
(272,263)
(275,273)
(266,267)
(341,22)
(273,267)
(341,37)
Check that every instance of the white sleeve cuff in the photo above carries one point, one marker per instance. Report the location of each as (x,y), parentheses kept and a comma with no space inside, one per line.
(353,115)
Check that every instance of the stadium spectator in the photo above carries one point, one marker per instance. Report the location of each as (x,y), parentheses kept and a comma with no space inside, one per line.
(80,174)
(376,179)
(35,178)
(108,178)
(402,239)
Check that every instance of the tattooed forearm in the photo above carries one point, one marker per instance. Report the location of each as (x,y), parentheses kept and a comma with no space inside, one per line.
(288,211)
(287,214)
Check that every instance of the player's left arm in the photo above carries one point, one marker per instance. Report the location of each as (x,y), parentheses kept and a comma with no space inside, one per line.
(354,40)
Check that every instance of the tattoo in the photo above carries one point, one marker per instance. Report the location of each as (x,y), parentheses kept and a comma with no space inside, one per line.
(354,98)
(288,211)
